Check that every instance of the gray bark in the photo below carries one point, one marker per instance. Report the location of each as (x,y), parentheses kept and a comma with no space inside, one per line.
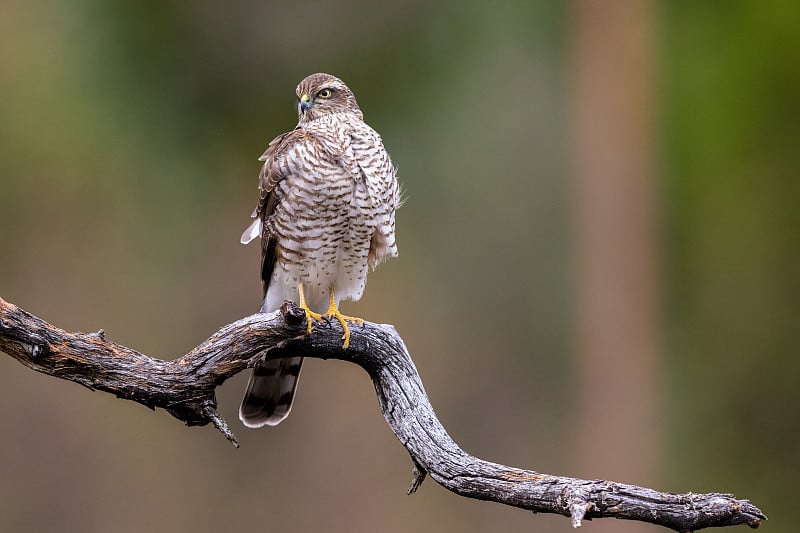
(185,387)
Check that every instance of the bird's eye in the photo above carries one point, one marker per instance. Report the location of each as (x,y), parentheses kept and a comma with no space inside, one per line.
(324,93)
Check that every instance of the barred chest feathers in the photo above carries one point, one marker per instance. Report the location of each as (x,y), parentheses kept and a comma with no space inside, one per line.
(334,218)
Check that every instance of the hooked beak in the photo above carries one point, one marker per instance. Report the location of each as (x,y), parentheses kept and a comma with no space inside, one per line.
(305,102)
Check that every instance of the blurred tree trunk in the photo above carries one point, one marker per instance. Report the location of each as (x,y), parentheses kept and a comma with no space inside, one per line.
(615,219)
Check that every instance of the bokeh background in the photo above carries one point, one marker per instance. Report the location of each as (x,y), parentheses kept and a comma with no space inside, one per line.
(599,251)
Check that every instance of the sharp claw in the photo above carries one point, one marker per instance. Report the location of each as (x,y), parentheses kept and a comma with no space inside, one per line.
(311,316)
(346,343)
(333,312)
(343,320)
(346,335)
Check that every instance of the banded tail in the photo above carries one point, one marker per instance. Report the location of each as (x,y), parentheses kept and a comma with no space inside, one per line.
(270,392)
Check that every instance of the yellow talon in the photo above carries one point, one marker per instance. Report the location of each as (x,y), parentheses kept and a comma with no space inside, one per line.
(332,312)
(310,315)
(343,320)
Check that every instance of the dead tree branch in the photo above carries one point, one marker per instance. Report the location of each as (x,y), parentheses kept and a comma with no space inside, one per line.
(185,387)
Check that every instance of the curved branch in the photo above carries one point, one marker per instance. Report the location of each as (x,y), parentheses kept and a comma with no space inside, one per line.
(185,387)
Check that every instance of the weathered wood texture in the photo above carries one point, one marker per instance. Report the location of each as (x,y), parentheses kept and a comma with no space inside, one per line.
(185,387)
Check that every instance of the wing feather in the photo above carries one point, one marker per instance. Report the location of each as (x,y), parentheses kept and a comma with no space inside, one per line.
(272,172)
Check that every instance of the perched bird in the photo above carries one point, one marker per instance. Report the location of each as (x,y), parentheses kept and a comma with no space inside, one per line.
(325,215)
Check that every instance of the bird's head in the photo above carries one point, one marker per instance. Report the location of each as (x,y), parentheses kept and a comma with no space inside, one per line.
(321,94)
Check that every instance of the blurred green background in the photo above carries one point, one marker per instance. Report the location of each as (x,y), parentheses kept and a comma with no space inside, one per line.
(129,133)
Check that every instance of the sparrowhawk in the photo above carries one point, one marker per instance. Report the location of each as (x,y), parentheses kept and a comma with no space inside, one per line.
(325,215)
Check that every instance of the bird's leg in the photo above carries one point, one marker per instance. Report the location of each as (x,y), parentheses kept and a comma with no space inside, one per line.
(310,315)
(333,311)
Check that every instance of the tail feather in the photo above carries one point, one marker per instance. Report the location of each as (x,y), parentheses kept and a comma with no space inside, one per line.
(270,392)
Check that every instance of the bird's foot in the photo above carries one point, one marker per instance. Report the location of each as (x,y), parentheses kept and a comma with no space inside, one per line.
(310,317)
(333,312)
